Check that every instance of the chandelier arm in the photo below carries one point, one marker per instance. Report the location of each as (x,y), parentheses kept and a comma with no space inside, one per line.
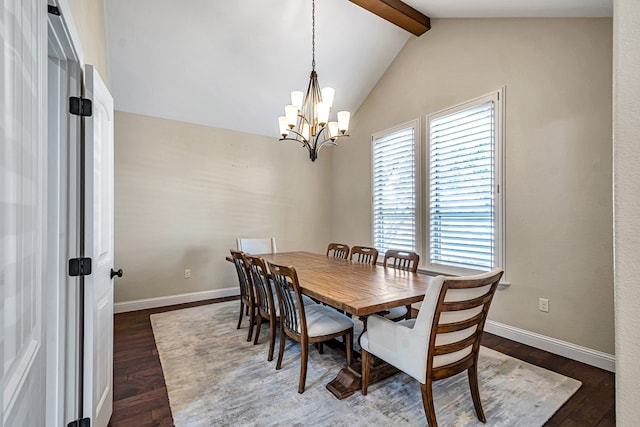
(326,142)
(304,144)
(332,140)
(318,135)
(304,140)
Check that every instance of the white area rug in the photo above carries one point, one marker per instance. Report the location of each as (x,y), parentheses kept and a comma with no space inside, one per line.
(215,377)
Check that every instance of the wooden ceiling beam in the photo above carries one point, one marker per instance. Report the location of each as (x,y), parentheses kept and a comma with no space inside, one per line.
(398,13)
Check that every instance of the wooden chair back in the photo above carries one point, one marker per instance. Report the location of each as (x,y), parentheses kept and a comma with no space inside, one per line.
(264,245)
(338,250)
(458,321)
(364,255)
(262,286)
(244,279)
(292,316)
(266,302)
(402,260)
(443,341)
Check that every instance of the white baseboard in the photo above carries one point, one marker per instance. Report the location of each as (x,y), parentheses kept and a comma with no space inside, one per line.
(552,345)
(143,304)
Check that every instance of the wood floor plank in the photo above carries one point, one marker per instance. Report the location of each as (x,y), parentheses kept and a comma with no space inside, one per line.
(140,394)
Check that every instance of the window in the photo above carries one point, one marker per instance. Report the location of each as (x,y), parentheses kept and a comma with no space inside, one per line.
(463,196)
(464,193)
(394,188)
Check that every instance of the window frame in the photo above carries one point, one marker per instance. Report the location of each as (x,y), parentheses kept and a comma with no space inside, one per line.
(416,125)
(500,197)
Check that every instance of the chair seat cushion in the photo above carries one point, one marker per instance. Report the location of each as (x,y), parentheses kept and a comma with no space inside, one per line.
(322,320)
(308,301)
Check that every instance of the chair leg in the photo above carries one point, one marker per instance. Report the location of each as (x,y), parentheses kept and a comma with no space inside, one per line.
(320,348)
(241,313)
(408,315)
(252,321)
(272,338)
(258,327)
(366,366)
(304,356)
(427,402)
(475,392)
(348,338)
(281,351)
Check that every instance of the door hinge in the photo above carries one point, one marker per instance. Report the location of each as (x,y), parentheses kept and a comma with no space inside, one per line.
(79,266)
(80,106)
(83,422)
(53,10)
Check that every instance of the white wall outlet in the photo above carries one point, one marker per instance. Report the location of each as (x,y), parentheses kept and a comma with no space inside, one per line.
(187,273)
(543,305)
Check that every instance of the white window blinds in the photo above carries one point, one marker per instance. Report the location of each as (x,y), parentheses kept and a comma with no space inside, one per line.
(462,206)
(394,189)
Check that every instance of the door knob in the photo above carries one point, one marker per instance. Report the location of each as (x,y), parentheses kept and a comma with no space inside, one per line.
(116,273)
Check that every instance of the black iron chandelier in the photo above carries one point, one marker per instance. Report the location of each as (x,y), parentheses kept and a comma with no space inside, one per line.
(306,119)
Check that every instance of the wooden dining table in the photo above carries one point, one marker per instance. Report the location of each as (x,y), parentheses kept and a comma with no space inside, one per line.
(357,289)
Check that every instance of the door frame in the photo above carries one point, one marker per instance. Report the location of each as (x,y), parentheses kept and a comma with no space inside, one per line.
(63,213)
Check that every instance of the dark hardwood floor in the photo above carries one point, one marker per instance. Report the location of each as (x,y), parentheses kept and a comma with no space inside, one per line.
(140,394)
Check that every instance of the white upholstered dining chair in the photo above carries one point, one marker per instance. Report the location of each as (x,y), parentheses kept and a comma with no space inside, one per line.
(253,246)
(442,341)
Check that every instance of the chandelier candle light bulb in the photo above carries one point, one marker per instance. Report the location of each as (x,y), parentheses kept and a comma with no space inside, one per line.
(323,113)
(327,95)
(306,119)
(333,130)
(343,121)
(296,98)
(284,128)
(291,112)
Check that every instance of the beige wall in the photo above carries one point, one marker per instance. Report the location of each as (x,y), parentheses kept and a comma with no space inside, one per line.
(88,16)
(557,74)
(626,146)
(184,192)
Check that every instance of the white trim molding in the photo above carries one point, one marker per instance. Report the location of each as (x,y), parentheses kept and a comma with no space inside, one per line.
(552,345)
(146,303)
(72,30)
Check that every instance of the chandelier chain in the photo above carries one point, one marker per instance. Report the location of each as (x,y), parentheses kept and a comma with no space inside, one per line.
(313,34)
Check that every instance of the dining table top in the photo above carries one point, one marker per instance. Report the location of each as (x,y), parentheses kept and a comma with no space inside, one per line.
(356,288)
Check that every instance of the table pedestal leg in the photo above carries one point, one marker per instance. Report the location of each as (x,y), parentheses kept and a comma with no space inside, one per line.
(348,380)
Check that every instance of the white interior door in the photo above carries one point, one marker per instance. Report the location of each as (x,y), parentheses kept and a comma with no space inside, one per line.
(99,246)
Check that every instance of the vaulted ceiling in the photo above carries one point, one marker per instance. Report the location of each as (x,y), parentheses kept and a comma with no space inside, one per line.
(232,64)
